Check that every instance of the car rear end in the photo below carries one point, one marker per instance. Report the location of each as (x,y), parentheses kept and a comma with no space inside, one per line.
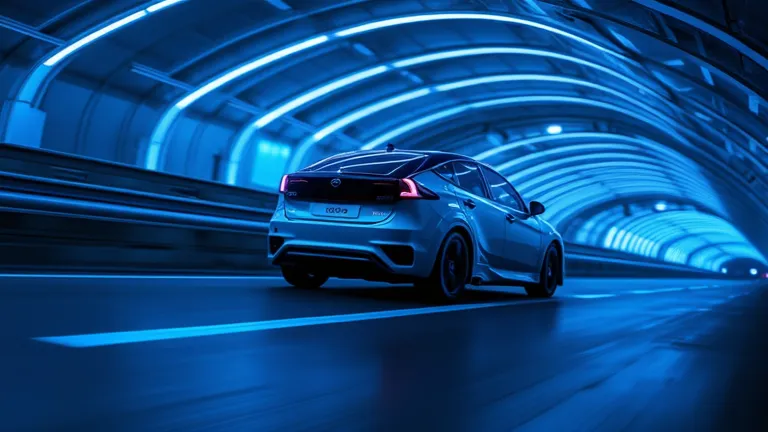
(361,215)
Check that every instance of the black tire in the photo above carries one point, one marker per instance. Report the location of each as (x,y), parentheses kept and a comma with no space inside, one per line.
(302,279)
(550,271)
(451,271)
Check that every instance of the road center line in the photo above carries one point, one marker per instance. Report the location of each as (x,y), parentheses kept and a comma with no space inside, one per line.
(592,296)
(139,336)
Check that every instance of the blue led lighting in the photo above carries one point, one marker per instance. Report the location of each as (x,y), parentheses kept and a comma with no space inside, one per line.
(170,116)
(681,233)
(245,136)
(554,129)
(42,72)
(368,110)
(246,68)
(317,93)
(592,136)
(562,176)
(80,43)
(441,115)
(473,16)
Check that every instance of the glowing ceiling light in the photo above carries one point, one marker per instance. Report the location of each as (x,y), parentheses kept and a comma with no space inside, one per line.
(317,93)
(753,271)
(162,5)
(249,67)
(432,118)
(69,49)
(245,135)
(660,206)
(472,16)
(367,111)
(305,145)
(499,102)
(599,136)
(169,117)
(724,270)
(554,129)
(89,38)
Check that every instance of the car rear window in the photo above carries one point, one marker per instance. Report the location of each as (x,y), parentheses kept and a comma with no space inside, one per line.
(394,164)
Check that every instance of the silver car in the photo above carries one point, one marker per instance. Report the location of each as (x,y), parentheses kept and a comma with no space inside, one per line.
(438,220)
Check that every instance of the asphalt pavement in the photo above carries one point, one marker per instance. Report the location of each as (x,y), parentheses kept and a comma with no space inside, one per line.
(234,354)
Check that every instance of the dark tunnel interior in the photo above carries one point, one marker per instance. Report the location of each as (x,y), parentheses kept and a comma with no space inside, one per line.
(151,155)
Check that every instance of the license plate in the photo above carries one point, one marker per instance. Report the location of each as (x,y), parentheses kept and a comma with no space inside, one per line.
(336,210)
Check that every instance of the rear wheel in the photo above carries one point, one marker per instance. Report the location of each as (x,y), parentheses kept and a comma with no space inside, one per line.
(302,279)
(550,271)
(451,270)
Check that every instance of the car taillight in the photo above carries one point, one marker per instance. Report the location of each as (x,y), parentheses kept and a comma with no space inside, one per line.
(408,189)
(284,184)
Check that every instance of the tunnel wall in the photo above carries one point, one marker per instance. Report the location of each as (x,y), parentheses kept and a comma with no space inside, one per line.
(101,121)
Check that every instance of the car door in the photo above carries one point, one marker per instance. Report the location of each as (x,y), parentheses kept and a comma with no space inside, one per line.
(523,232)
(487,220)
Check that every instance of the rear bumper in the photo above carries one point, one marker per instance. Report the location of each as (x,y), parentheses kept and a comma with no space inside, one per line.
(376,252)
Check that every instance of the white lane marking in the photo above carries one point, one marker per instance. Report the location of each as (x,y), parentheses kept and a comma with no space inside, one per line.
(592,296)
(641,292)
(131,276)
(138,336)
(669,290)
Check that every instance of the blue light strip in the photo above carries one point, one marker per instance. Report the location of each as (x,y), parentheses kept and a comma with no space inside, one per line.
(475,16)
(367,111)
(568,206)
(529,165)
(564,175)
(43,71)
(247,68)
(592,136)
(318,93)
(441,115)
(305,145)
(676,225)
(169,117)
(246,135)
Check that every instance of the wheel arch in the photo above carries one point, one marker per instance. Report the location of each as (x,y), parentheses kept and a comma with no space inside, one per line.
(465,232)
(561,254)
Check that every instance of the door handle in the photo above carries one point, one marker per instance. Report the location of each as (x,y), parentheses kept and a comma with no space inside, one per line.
(469,203)
(511,218)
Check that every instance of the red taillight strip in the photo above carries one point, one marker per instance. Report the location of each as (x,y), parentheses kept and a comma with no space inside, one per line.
(284,184)
(412,192)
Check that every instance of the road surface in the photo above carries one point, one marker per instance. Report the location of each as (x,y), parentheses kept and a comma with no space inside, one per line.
(234,354)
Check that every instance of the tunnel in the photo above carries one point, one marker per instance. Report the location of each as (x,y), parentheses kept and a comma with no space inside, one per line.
(143,144)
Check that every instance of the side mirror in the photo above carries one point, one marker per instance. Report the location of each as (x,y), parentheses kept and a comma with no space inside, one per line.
(536,208)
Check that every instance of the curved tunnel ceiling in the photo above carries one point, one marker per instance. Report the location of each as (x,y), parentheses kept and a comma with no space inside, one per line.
(594,106)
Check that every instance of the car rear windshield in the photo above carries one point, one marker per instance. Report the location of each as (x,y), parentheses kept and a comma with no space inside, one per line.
(394,164)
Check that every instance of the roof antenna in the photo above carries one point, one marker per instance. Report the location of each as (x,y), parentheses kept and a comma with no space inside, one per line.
(390,148)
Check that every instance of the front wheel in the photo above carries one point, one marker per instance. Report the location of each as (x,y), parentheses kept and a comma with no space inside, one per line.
(550,271)
(451,270)
(302,279)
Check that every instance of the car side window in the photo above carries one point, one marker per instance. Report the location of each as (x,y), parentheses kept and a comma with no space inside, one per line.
(446,171)
(503,192)
(468,177)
